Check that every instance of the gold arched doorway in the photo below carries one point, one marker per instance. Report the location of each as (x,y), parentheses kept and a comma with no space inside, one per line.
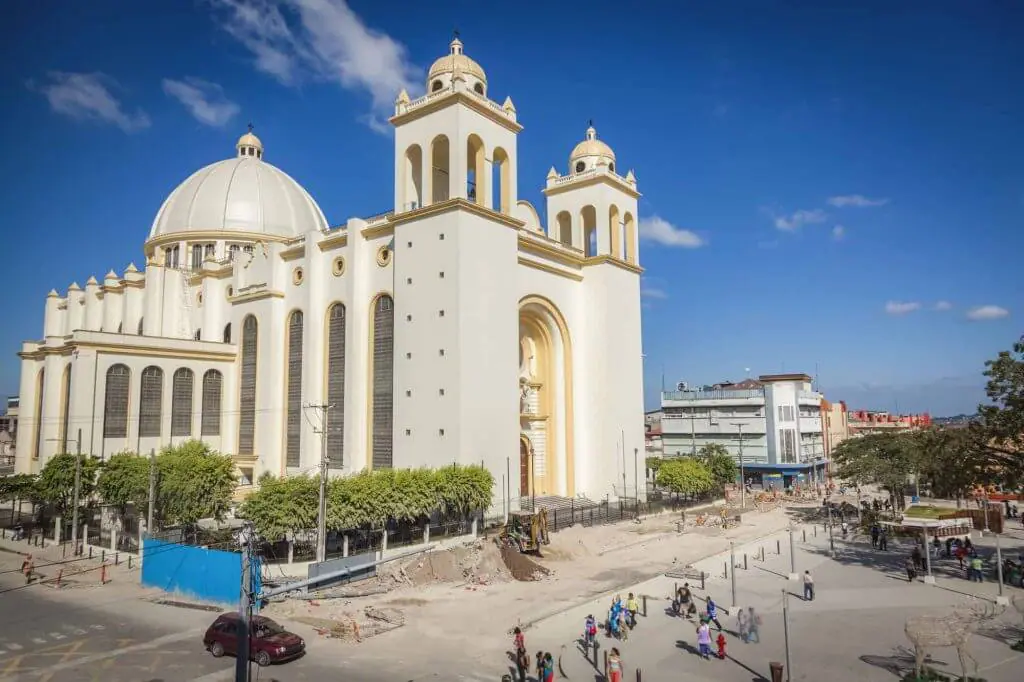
(524,466)
(546,403)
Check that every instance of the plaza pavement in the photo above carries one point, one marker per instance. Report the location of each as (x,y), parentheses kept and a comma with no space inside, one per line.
(853,630)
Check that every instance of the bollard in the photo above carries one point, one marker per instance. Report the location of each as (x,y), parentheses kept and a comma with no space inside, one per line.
(744,561)
(596,647)
(675,590)
(805,535)
(60,574)
(90,551)
(725,565)
(815,531)
(129,562)
(103,556)
(638,677)
(702,580)
(606,665)
(778,547)
(117,558)
(103,574)
(63,550)
(645,606)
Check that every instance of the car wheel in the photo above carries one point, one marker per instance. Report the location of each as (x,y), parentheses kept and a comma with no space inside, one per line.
(217,649)
(263,659)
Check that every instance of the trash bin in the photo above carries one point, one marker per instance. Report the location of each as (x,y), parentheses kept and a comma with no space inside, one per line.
(914,499)
(776,669)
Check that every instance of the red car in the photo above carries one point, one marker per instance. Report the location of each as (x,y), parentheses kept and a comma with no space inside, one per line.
(268,641)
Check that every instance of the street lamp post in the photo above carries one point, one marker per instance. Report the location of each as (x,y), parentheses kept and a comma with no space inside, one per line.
(743,480)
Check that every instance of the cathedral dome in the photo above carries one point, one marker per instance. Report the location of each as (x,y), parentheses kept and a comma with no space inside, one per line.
(442,70)
(591,152)
(244,194)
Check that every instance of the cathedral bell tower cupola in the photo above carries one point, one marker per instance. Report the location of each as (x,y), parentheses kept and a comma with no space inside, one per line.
(249,146)
(591,153)
(456,66)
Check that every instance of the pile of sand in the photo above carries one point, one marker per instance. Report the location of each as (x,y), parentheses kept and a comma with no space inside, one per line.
(569,544)
(478,563)
(356,626)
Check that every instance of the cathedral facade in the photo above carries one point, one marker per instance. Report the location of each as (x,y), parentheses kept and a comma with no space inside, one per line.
(457,327)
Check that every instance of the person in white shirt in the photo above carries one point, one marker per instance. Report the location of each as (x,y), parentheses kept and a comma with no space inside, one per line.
(808,586)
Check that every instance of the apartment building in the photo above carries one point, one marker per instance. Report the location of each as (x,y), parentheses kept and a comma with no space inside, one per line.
(772,424)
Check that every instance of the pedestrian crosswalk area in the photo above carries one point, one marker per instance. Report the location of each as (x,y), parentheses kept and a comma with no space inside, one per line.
(33,638)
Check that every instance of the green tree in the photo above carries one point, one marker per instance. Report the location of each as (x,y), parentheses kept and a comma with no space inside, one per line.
(685,476)
(56,483)
(717,459)
(950,461)
(124,479)
(18,487)
(653,464)
(194,482)
(463,489)
(886,459)
(1000,433)
(282,505)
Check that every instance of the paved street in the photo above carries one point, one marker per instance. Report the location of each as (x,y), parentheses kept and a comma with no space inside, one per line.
(852,630)
(101,634)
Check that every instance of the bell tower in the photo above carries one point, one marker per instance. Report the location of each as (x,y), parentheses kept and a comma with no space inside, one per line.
(455,259)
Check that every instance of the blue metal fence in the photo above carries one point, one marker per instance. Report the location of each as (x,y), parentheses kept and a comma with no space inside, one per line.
(210,575)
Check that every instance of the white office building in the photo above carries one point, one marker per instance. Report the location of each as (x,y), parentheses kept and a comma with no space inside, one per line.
(773,424)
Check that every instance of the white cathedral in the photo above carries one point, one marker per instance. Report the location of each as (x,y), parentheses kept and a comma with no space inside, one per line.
(456,328)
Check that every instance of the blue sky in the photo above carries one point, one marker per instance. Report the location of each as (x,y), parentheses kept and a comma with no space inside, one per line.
(838,187)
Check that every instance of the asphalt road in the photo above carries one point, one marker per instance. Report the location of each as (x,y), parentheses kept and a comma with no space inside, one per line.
(85,635)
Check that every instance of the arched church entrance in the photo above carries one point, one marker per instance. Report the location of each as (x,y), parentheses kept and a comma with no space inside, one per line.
(545,413)
(524,466)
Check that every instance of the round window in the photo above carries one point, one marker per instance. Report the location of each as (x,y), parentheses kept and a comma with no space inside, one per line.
(479,88)
(297,275)
(437,85)
(383,256)
(580,166)
(611,167)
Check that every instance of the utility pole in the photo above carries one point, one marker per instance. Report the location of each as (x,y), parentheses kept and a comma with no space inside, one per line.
(244,607)
(636,481)
(622,449)
(743,480)
(785,632)
(152,491)
(78,486)
(321,519)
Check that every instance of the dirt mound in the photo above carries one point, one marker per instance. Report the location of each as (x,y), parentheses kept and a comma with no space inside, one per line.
(479,563)
(568,544)
(356,626)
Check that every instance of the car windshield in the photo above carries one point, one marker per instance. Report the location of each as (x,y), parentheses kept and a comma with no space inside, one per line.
(268,628)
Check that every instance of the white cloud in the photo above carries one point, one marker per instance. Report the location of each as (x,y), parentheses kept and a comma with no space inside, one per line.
(88,96)
(987,312)
(204,100)
(326,40)
(855,200)
(799,219)
(659,230)
(901,307)
(651,292)
(942,305)
(838,232)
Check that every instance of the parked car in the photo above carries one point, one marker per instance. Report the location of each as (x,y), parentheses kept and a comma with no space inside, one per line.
(268,641)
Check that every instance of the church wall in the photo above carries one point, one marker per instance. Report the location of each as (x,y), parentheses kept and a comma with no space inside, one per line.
(93,306)
(615,373)
(75,316)
(132,308)
(49,444)
(27,424)
(152,321)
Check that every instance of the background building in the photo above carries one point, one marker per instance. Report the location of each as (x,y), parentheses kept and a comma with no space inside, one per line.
(8,435)
(774,422)
(867,421)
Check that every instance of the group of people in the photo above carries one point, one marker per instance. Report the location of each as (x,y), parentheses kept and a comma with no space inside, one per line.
(544,662)
(621,617)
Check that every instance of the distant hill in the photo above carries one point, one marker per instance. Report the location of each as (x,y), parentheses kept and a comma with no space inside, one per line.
(957,420)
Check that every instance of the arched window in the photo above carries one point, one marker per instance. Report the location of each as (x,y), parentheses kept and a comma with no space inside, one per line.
(478,88)
(629,229)
(588,216)
(412,184)
(38,426)
(233,251)
(139,330)
(439,169)
(213,382)
(293,380)
(382,427)
(227,333)
(115,402)
(436,85)
(501,181)
(336,386)
(65,408)
(151,402)
(615,232)
(181,402)
(564,223)
(476,178)
(247,388)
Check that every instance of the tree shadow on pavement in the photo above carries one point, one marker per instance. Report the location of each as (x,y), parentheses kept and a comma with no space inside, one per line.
(891,562)
(899,662)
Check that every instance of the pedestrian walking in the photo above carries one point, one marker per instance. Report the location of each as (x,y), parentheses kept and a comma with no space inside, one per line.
(874,536)
(976,572)
(742,624)
(916,556)
(540,666)
(522,664)
(883,540)
(704,639)
(713,613)
(632,608)
(808,586)
(614,666)
(518,639)
(753,626)
(549,668)
(911,567)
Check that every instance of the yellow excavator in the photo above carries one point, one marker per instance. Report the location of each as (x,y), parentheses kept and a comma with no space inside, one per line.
(525,531)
